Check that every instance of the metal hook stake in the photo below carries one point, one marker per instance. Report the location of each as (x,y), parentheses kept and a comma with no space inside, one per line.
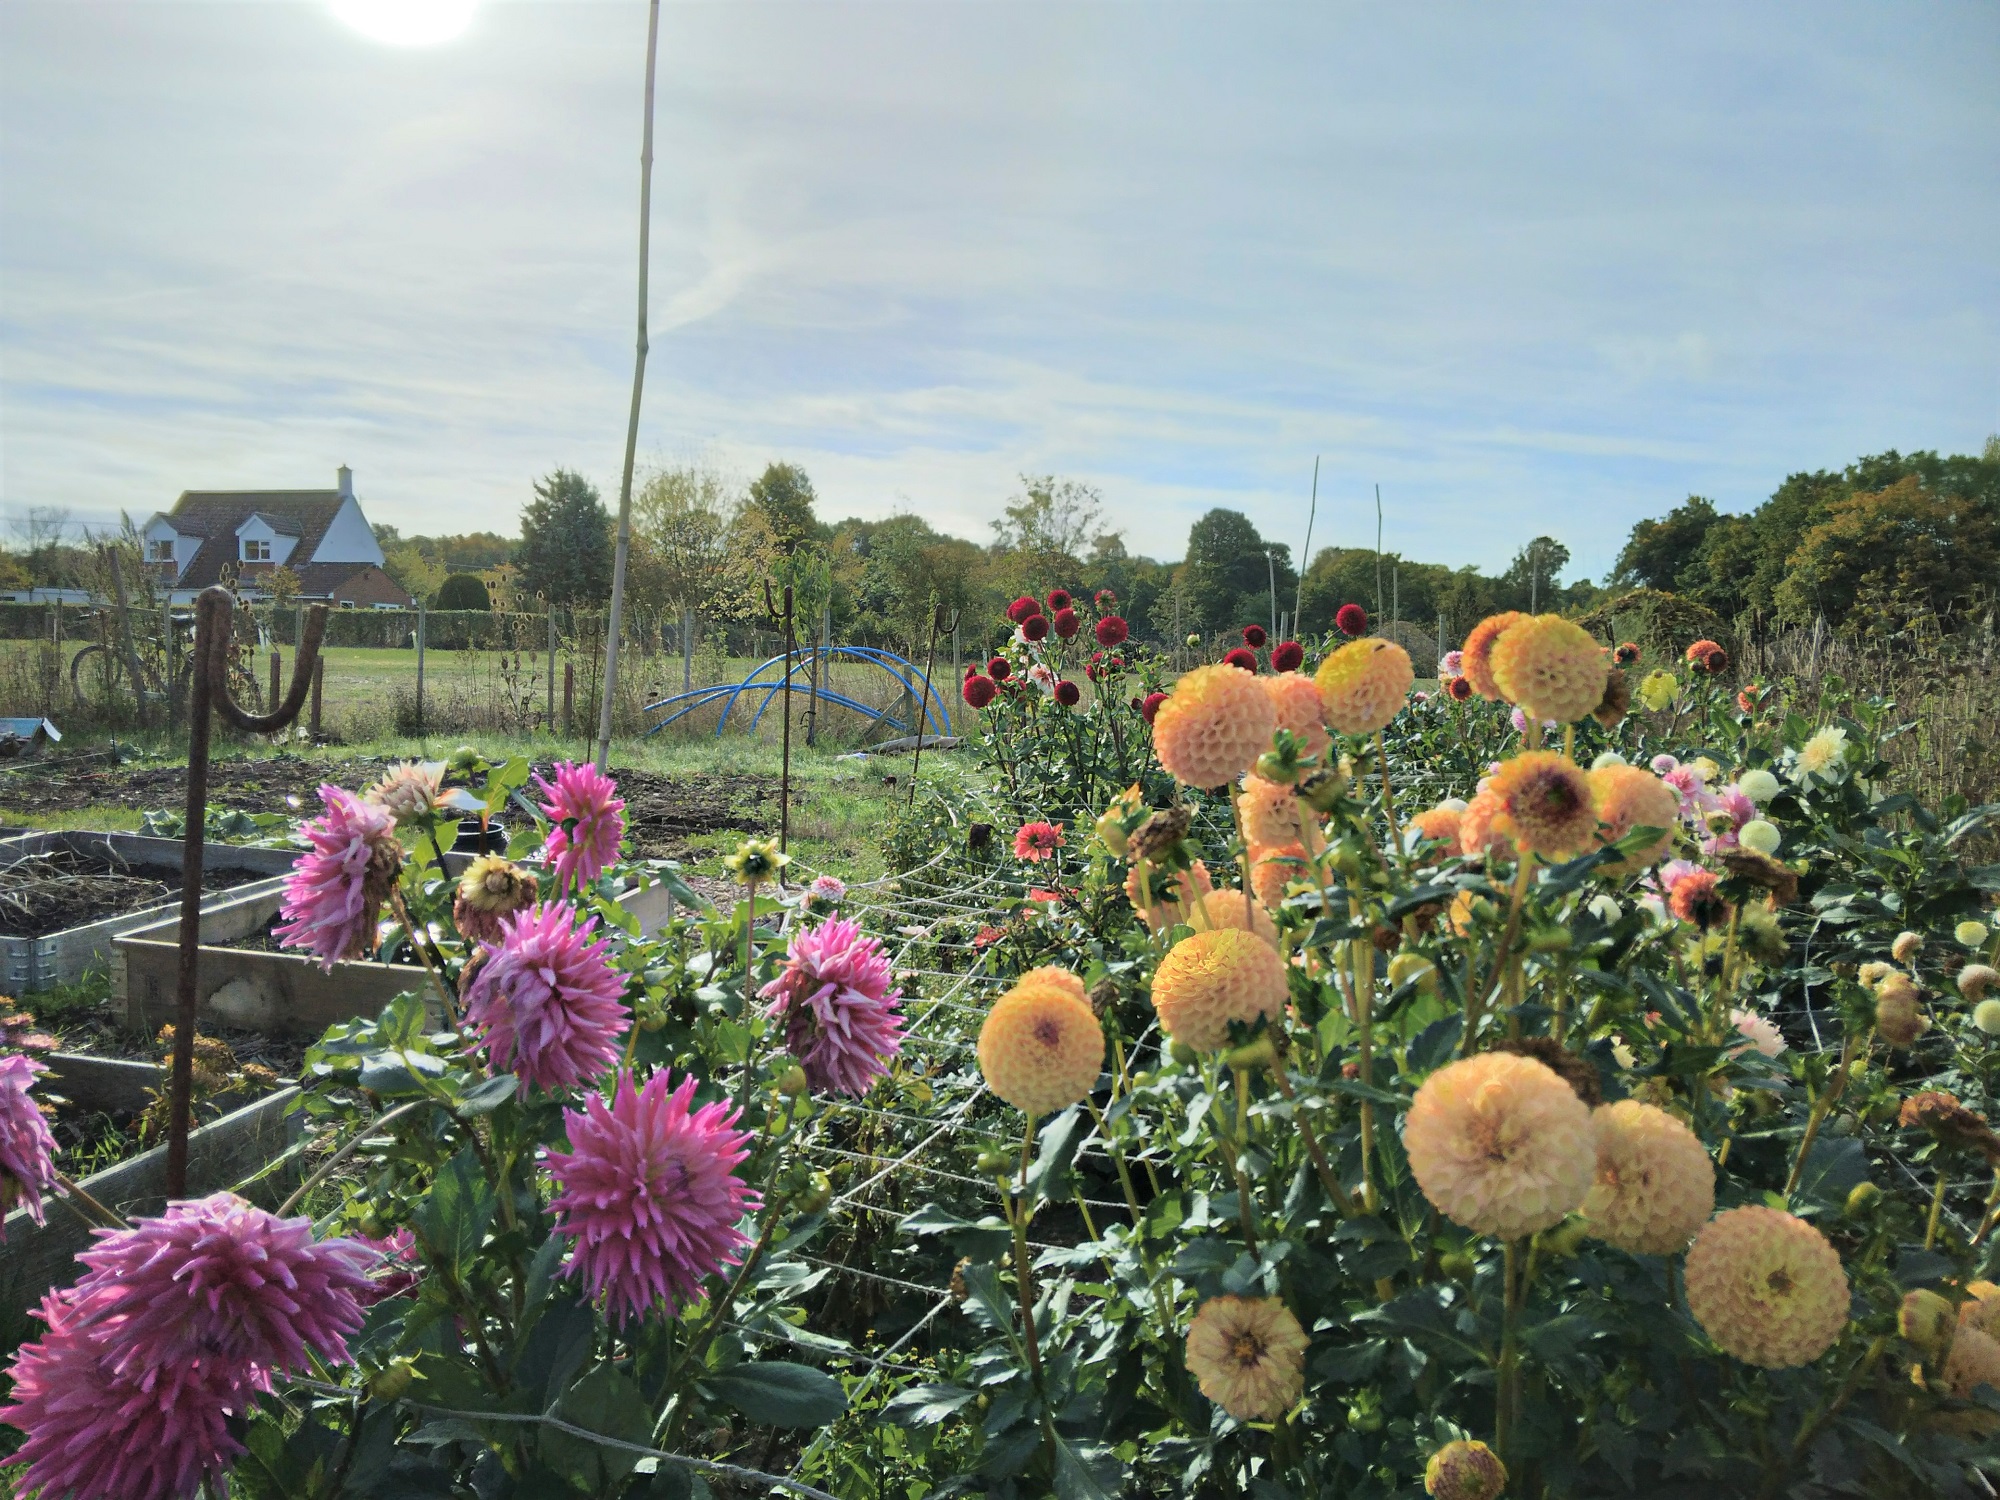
(209,690)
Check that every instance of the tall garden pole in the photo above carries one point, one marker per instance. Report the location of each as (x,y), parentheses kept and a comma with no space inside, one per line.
(616,619)
(1305,556)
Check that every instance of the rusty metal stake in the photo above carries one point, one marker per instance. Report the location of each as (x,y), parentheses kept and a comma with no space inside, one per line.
(209,691)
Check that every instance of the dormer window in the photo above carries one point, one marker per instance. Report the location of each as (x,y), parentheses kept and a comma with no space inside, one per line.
(255,550)
(160,551)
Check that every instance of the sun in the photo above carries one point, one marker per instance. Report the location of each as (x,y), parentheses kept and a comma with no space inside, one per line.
(407,23)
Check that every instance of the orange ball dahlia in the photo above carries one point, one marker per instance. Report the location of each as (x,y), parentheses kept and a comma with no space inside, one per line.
(1234,909)
(1550,667)
(1482,829)
(1270,812)
(1248,1355)
(1212,978)
(1501,1144)
(1273,867)
(1295,702)
(1188,886)
(1442,825)
(1050,975)
(1767,1287)
(1476,659)
(1630,797)
(1213,726)
(1545,804)
(1363,684)
(1655,1183)
(1041,1047)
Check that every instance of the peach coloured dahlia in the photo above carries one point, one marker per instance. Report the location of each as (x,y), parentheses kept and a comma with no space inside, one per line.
(1213,726)
(1273,867)
(1482,829)
(1550,667)
(1545,804)
(1295,702)
(1974,1361)
(1270,812)
(1212,978)
(1234,909)
(408,790)
(1464,1470)
(1655,1183)
(1981,1307)
(1767,1287)
(1050,974)
(1501,1144)
(1476,659)
(1362,685)
(1041,1047)
(1629,797)
(1248,1356)
(1440,824)
(1189,886)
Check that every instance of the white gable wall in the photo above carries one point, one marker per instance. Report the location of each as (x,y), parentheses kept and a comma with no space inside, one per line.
(348,539)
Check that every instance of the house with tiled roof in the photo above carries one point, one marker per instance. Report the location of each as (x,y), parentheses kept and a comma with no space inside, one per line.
(245,536)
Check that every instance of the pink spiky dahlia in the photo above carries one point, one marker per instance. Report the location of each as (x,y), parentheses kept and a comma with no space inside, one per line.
(96,1432)
(27,1150)
(588,820)
(336,889)
(547,1001)
(217,1277)
(650,1196)
(840,1014)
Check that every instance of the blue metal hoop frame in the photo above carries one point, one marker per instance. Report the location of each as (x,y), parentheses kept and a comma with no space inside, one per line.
(932,707)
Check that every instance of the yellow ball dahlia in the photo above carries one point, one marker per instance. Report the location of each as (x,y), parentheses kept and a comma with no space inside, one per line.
(1476,660)
(1501,1144)
(1270,812)
(1212,978)
(1550,667)
(1630,797)
(1234,909)
(1248,1354)
(1041,1048)
(1767,1287)
(1275,866)
(1295,702)
(1213,726)
(1363,684)
(1464,1470)
(1545,803)
(1655,1183)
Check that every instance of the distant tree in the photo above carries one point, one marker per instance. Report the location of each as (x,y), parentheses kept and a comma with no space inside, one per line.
(463,591)
(565,550)
(419,575)
(681,519)
(1885,557)
(1229,570)
(1658,552)
(785,497)
(1535,570)
(281,586)
(1050,524)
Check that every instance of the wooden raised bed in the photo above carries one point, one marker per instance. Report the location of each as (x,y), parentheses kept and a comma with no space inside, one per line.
(220,1155)
(29,964)
(278,994)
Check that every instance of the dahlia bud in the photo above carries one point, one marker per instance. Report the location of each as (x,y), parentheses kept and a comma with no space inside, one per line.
(1183,1054)
(1986,1016)
(1272,766)
(1974,980)
(391,1380)
(1905,947)
(818,1193)
(1459,1265)
(1464,1470)
(1971,934)
(1261,1053)
(792,1082)
(1323,789)
(1865,1195)
(994,1163)
(1926,1320)
(1407,966)
(1567,1237)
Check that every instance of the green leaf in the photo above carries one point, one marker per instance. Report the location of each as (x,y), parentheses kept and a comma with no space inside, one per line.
(1049,1177)
(452,1217)
(395,1073)
(484,1098)
(1834,1168)
(605,1402)
(777,1393)
(927,1405)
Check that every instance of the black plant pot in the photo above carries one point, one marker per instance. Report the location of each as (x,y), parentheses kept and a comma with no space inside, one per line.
(472,839)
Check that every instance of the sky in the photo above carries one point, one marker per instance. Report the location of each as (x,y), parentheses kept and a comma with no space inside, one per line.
(1531,269)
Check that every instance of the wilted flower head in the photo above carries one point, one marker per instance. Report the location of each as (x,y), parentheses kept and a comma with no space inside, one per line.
(336,889)
(587,818)
(1037,841)
(1627,654)
(1209,979)
(491,888)
(648,1194)
(1767,1287)
(547,1001)
(755,862)
(409,789)
(1041,1047)
(1363,685)
(1464,1470)
(219,1277)
(27,1149)
(839,1011)
(1501,1144)
(1248,1356)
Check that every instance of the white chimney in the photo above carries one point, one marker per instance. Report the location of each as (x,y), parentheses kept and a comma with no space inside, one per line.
(346,483)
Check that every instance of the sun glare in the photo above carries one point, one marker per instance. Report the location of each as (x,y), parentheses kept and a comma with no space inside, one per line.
(407,23)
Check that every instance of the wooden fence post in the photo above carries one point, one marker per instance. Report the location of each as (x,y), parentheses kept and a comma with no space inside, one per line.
(569,697)
(319,691)
(277,681)
(420,666)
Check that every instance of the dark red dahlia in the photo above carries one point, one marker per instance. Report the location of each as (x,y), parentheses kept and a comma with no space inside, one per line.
(1460,688)
(1058,599)
(1242,657)
(1351,620)
(1112,631)
(1068,694)
(1254,637)
(979,691)
(1150,709)
(999,669)
(1287,656)
(1067,623)
(1021,608)
(1105,598)
(1035,628)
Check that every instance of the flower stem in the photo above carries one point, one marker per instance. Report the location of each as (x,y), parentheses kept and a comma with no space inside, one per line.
(1937,1205)
(1475,1001)
(354,1143)
(1018,1213)
(1245,1211)
(107,1216)
(1821,1107)
(1389,800)
(1336,1194)
(418,941)
(1507,1393)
